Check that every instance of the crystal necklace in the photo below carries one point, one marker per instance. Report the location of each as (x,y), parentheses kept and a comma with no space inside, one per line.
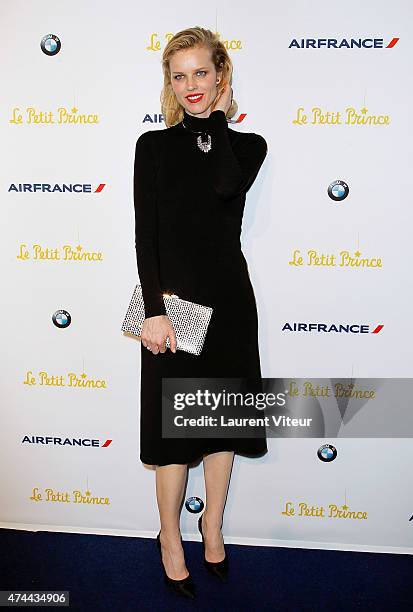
(203,146)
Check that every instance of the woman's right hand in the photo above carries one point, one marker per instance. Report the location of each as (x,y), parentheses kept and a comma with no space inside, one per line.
(155,331)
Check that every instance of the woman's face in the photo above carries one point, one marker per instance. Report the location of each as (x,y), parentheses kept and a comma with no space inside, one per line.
(193,72)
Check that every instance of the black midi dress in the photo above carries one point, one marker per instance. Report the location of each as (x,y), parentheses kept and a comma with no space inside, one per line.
(188,216)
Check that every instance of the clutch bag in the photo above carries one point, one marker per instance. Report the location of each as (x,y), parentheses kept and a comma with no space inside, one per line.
(189,320)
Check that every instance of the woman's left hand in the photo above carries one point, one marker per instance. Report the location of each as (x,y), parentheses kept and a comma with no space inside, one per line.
(224,100)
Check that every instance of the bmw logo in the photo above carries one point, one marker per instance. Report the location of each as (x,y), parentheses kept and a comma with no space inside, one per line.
(327,452)
(61,318)
(338,190)
(194,505)
(50,44)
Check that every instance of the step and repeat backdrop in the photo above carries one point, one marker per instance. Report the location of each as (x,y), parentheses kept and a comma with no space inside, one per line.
(326,233)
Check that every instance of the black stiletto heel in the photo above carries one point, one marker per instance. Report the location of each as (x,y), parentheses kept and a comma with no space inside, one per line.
(184,587)
(219,569)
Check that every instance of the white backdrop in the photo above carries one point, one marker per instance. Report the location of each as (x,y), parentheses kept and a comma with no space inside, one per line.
(109,69)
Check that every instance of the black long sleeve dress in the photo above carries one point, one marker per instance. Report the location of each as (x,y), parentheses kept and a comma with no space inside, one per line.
(188,216)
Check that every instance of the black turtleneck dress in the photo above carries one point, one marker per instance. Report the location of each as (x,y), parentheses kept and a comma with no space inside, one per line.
(188,216)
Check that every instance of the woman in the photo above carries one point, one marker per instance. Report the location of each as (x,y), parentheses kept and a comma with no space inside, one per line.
(189,205)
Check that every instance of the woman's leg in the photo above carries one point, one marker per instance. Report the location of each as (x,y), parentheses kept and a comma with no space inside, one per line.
(217,471)
(170,487)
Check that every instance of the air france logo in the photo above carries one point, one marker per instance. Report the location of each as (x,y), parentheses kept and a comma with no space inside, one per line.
(194,505)
(340,328)
(74,442)
(344,43)
(327,453)
(50,44)
(338,190)
(55,188)
(239,119)
(61,318)
(158,118)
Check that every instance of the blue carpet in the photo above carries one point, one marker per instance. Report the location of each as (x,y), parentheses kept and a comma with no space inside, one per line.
(123,574)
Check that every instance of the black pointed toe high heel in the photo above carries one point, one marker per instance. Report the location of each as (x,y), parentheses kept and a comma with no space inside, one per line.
(219,569)
(184,587)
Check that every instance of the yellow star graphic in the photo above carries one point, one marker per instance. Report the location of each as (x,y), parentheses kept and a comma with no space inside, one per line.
(344,507)
(74,109)
(357,254)
(79,248)
(83,375)
(364,110)
(87,493)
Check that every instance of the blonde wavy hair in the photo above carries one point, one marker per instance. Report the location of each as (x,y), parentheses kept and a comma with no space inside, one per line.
(172,111)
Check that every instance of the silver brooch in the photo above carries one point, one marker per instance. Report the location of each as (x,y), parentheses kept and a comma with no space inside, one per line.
(203,146)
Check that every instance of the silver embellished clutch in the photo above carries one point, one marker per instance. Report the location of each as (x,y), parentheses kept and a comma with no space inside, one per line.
(189,320)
